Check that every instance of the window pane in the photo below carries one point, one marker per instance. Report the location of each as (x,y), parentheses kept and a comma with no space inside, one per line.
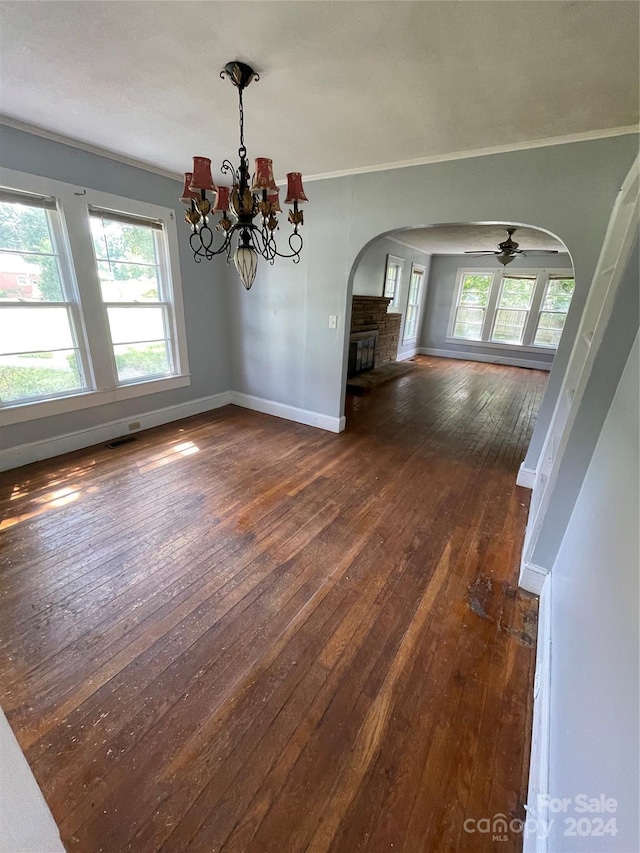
(414,288)
(139,360)
(34,329)
(114,241)
(132,325)
(475,290)
(558,295)
(24,227)
(128,282)
(410,324)
(469,323)
(549,329)
(29,278)
(391,282)
(516,292)
(509,326)
(39,374)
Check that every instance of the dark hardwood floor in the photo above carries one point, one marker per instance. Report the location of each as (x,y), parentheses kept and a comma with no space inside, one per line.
(238,633)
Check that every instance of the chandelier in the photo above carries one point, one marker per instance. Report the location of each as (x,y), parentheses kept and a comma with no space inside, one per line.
(247,199)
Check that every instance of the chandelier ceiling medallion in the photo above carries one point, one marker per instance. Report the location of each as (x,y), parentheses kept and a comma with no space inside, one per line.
(247,198)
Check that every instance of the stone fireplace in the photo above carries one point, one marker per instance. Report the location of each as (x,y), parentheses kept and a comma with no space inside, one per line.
(374,334)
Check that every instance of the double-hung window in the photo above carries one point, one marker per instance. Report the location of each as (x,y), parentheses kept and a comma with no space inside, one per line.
(90,298)
(525,309)
(392,279)
(42,352)
(512,313)
(129,254)
(473,298)
(553,313)
(413,302)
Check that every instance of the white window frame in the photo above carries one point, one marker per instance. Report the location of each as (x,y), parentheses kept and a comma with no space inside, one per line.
(393,260)
(81,274)
(166,300)
(422,270)
(542,279)
(551,277)
(527,311)
(70,301)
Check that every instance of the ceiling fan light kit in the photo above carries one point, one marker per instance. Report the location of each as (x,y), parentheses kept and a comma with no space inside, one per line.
(509,250)
(247,199)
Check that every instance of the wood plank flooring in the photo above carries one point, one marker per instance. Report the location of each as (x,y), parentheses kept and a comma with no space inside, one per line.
(238,633)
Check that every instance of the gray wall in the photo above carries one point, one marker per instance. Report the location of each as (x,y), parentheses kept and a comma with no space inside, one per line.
(203,284)
(594,634)
(568,190)
(275,341)
(369,280)
(281,343)
(442,283)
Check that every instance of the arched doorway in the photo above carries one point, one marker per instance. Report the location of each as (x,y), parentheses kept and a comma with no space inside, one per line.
(445,299)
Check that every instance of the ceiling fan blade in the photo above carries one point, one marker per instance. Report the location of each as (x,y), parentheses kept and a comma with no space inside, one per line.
(539,251)
(478,252)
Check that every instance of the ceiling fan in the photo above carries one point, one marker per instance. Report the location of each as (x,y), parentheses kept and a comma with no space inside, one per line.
(509,250)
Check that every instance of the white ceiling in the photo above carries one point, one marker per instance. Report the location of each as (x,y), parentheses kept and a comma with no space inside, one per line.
(460,238)
(345,85)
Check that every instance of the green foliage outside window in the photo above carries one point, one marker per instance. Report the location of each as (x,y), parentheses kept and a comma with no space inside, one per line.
(26,229)
(21,383)
(475,290)
(558,295)
(516,292)
(127,248)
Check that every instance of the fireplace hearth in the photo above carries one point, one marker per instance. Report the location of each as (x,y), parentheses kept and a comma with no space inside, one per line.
(374,334)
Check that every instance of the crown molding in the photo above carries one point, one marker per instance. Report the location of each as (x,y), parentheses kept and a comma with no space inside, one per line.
(585,136)
(407,245)
(90,149)
(341,173)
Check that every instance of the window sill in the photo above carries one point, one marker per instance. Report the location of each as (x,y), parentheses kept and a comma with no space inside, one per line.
(20,412)
(494,345)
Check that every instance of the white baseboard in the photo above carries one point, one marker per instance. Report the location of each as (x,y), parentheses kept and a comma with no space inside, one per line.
(403,356)
(532,577)
(23,454)
(538,789)
(526,477)
(289,413)
(490,359)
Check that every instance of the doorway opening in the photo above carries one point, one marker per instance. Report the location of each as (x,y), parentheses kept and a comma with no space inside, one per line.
(488,292)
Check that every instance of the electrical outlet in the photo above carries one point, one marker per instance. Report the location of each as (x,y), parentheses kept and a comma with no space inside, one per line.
(333,321)
(134,425)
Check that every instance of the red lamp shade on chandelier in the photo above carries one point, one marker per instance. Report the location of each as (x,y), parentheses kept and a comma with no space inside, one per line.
(263,177)
(202,179)
(222,199)
(187,192)
(295,192)
(274,201)
(248,198)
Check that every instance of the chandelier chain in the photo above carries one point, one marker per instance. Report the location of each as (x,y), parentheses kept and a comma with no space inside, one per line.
(242,150)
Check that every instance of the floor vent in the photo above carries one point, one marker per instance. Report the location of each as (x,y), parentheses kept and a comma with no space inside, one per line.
(126,439)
